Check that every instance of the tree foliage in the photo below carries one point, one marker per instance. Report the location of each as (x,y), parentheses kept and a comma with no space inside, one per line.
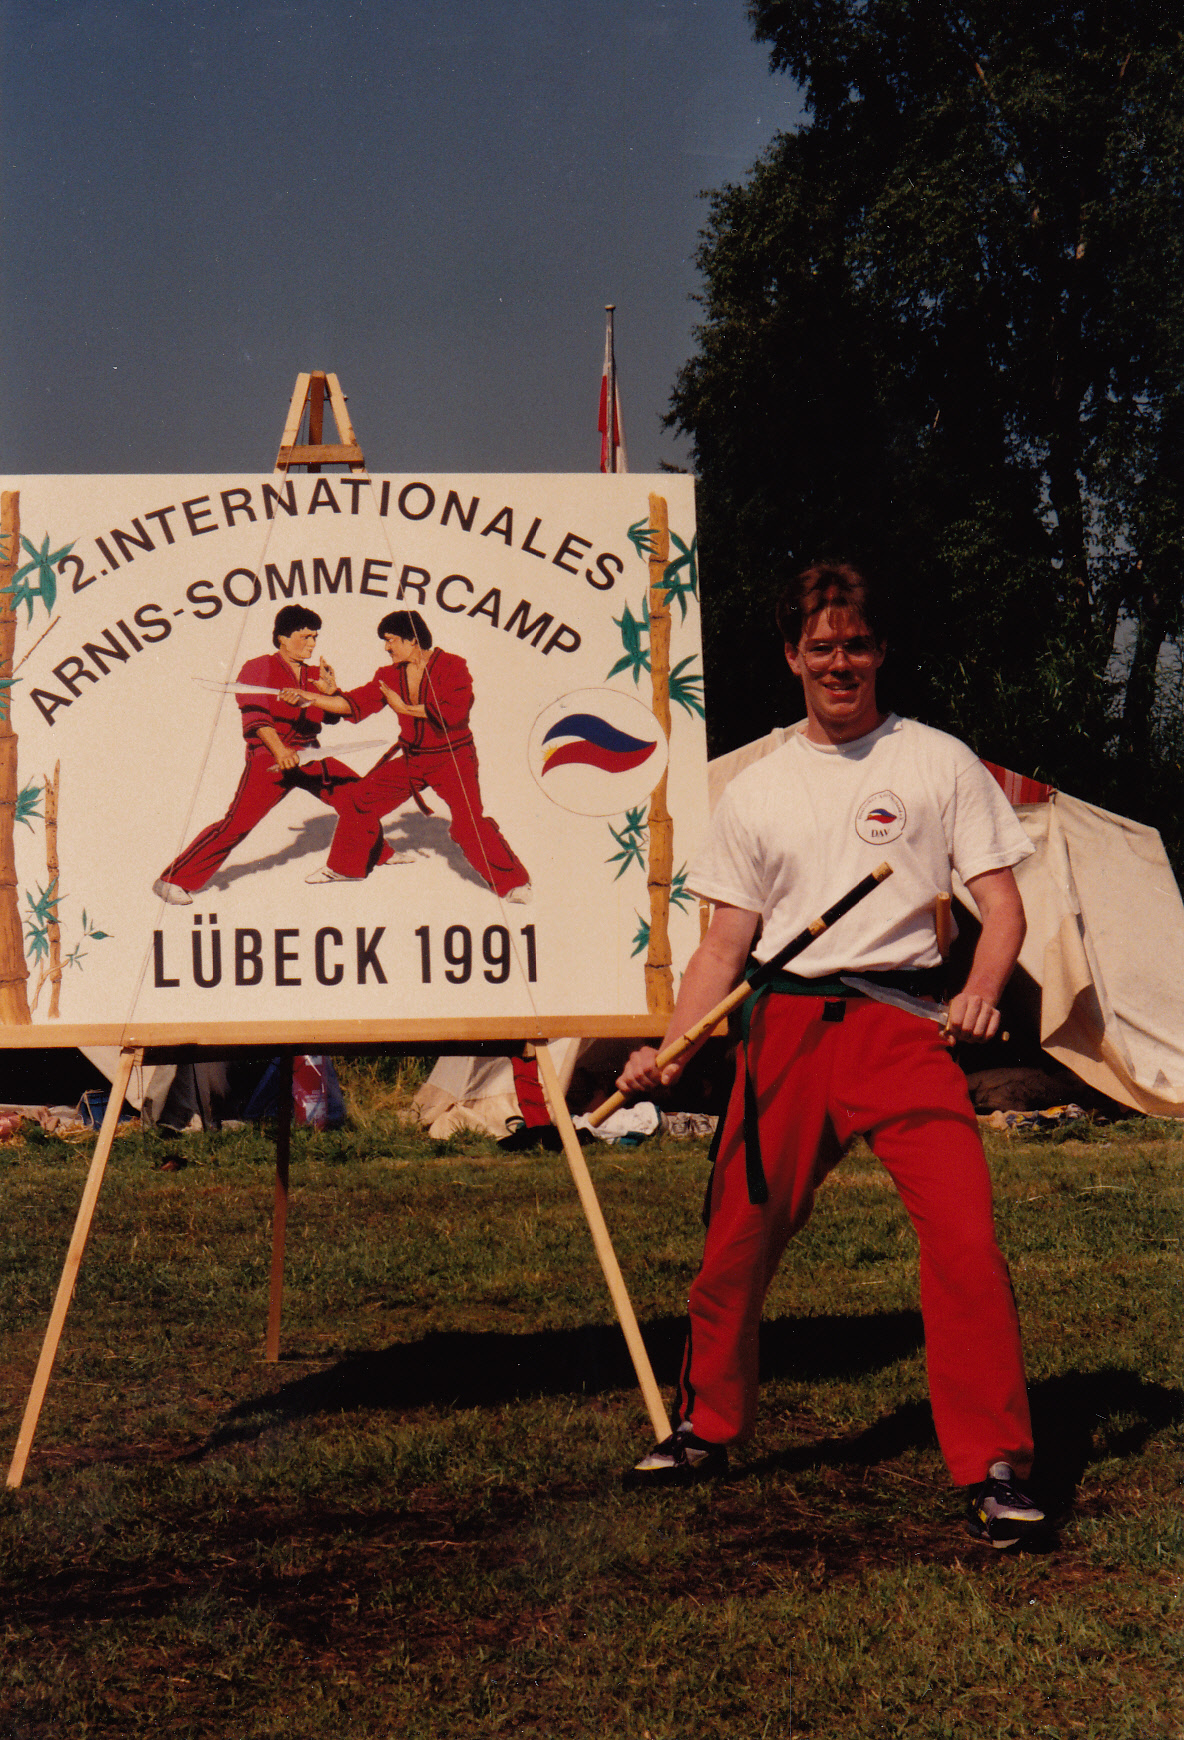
(944,329)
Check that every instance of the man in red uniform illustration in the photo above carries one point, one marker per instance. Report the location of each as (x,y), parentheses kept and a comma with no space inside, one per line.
(820,1063)
(432,693)
(279,721)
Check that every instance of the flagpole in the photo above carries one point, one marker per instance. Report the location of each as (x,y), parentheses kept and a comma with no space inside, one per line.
(611,395)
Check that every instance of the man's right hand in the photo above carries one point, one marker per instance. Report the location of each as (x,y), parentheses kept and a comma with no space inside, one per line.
(641,1074)
(712,971)
(285,758)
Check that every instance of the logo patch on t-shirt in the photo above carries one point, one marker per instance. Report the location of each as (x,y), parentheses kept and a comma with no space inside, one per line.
(881,817)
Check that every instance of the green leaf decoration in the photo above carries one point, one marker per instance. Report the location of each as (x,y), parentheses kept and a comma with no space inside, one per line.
(38,942)
(631,840)
(6,684)
(45,906)
(642,939)
(642,536)
(26,804)
(686,687)
(688,587)
(680,894)
(43,565)
(98,935)
(637,657)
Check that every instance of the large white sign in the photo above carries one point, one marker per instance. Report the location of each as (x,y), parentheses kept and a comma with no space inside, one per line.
(275,804)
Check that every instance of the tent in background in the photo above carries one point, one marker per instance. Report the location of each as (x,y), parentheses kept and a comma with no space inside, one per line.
(477,1093)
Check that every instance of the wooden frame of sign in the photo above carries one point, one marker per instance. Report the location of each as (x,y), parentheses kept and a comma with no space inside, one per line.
(566,599)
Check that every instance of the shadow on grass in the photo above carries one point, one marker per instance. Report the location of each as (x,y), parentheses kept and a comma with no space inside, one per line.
(463,1369)
(1080,1417)
(1077,1418)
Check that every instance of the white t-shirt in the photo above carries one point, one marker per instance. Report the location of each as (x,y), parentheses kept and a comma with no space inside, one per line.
(794,832)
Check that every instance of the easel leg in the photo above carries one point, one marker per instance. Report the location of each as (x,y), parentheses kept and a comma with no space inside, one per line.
(279,1223)
(604,1248)
(128,1060)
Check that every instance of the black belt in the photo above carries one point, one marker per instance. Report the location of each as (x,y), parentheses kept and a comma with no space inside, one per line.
(916,981)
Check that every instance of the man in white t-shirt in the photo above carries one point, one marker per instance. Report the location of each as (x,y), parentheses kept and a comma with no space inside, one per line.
(820,1064)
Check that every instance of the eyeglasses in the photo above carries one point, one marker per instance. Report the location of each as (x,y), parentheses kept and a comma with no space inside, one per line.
(820,655)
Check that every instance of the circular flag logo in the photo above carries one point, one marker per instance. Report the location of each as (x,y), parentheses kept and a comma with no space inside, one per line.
(597,752)
(881,818)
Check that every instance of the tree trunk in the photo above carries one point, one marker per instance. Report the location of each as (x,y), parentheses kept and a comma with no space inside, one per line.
(14,972)
(659,979)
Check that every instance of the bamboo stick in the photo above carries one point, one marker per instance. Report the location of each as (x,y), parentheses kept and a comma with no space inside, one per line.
(943,924)
(659,978)
(53,871)
(128,1060)
(14,971)
(582,1179)
(686,1041)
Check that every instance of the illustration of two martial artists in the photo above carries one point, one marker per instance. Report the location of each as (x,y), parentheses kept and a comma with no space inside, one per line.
(284,702)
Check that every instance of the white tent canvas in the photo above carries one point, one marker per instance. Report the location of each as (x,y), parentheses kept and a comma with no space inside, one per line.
(1105,942)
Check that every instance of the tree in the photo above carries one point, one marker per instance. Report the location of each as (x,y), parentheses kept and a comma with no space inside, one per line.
(944,328)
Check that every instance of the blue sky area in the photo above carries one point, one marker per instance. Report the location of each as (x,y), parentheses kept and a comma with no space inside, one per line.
(201,198)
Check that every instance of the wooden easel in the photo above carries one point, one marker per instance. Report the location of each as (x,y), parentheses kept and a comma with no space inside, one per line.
(310,394)
(311,391)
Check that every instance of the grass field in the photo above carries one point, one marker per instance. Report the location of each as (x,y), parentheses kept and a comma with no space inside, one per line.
(413,1525)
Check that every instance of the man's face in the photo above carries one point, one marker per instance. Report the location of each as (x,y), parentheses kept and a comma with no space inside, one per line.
(299,645)
(398,650)
(837,659)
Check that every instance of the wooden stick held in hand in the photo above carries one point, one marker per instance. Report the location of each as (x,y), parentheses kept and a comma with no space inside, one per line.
(746,987)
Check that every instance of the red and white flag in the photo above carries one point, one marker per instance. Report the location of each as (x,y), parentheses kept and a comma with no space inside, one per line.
(1018,788)
(612,440)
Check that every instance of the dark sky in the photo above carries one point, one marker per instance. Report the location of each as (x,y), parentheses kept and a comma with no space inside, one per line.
(201,198)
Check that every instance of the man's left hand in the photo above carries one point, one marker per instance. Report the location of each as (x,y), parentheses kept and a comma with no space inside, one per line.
(972,1019)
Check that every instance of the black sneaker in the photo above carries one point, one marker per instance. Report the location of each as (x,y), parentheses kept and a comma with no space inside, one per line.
(998,1512)
(680,1460)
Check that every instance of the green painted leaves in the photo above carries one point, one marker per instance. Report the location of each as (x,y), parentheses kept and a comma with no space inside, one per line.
(43,564)
(637,656)
(27,800)
(631,840)
(680,581)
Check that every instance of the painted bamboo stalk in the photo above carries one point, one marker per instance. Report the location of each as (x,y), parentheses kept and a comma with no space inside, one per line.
(659,979)
(53,928)
(14,971)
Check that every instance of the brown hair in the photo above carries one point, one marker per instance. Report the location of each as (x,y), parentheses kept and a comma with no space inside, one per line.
(823,586)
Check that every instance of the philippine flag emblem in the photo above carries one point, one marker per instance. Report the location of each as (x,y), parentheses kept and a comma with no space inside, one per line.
(588,738)
(880,818)
(597,752)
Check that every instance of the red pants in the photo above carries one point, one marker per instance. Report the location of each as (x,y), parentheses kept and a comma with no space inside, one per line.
(884,1075)
(260,789)
(358,843)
